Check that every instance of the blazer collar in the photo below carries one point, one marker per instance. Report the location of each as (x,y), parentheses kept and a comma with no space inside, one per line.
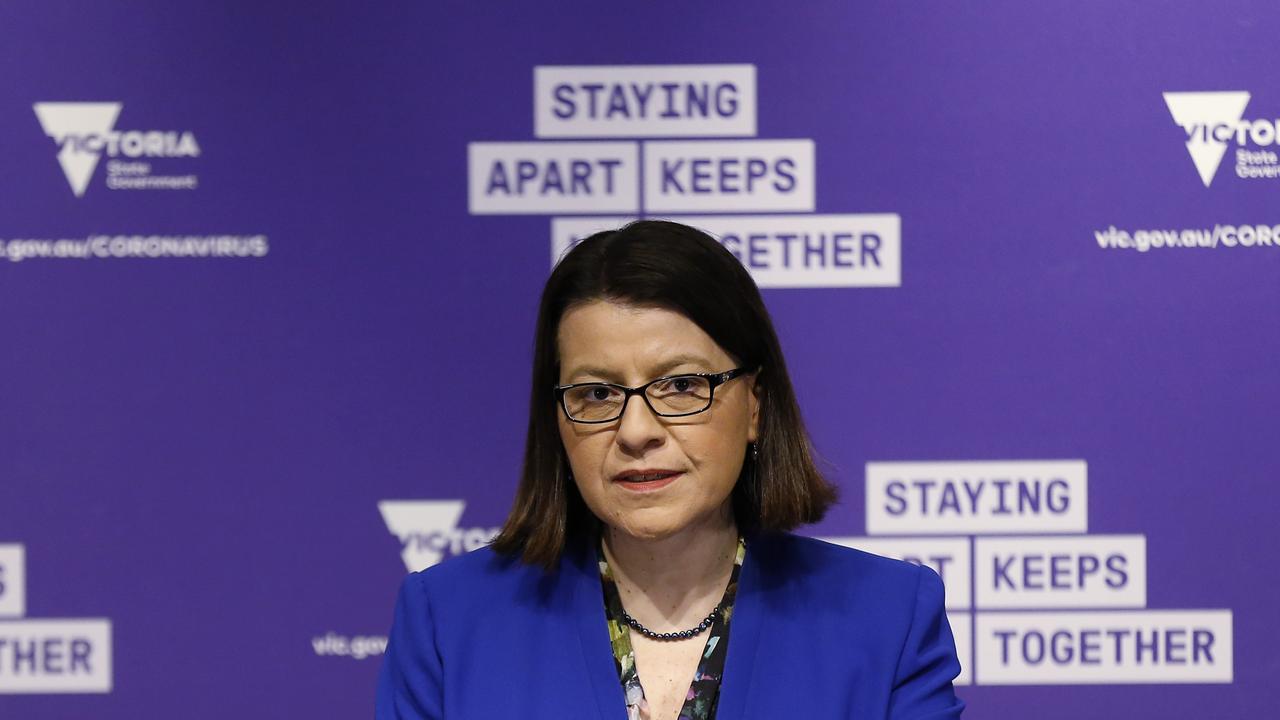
(749,608)
(593,632)
(582,572)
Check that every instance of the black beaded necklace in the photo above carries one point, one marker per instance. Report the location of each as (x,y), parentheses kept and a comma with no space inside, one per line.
(677,635)
(708,621)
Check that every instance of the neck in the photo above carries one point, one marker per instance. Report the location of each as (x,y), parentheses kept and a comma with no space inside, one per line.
(672,583)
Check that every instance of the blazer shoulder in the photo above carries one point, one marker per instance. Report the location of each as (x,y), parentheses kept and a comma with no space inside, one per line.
(485,578)
(822,564)
(482,569)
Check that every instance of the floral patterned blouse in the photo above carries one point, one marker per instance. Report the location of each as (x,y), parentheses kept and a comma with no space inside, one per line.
(704,691)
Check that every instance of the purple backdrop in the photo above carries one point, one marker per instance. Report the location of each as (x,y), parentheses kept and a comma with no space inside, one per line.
(245,312)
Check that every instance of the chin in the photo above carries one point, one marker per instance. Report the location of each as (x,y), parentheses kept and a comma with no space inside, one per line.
(651,528)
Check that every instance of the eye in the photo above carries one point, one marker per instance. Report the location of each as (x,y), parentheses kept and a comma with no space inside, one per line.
(592,395)
(681,385)
(680,395)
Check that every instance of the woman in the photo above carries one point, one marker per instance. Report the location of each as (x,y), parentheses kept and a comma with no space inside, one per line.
(645,570)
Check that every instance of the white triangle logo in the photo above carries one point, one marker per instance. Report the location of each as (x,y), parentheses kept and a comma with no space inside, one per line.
(418,523)
(68,124)
(1199,113)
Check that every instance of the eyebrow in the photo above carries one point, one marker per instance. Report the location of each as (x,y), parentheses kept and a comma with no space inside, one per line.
(659,370)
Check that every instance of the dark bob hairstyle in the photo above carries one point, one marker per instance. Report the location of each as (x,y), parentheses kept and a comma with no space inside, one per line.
(653,263)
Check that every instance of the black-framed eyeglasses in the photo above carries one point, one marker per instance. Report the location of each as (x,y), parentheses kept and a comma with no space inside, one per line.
(669,396)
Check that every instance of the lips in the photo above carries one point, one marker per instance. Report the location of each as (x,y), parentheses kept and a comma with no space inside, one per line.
(646,478)
(645,475)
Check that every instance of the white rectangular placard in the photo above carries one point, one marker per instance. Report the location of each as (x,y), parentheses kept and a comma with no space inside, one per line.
(552,177)
(728,176)
(782,251)
(578,101)
(1064,571)
(977,497)
(811,251)
(55,656)
(1103,647)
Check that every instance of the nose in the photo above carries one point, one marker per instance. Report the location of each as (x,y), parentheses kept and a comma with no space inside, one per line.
(639,428)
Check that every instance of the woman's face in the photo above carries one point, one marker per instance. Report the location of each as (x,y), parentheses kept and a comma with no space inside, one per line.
(697,458)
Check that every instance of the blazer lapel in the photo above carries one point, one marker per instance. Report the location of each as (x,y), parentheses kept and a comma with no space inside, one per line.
(593,633)
(749,609)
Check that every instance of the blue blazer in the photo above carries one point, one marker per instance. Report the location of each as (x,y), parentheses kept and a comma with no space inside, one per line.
(818,631)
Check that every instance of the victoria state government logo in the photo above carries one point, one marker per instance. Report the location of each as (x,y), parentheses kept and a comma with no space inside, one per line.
(1213,122)
(428,530)
(85,132)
